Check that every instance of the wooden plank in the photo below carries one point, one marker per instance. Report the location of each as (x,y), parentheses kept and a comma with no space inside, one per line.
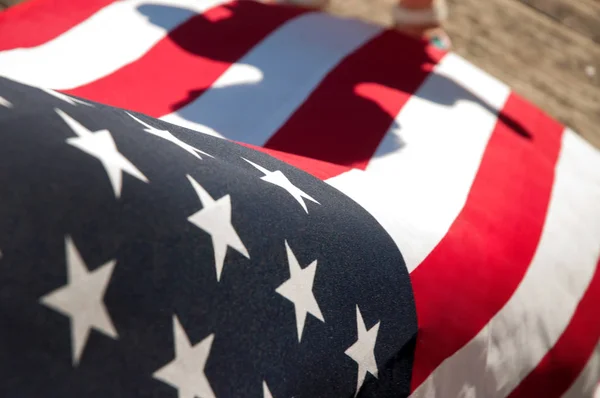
(539,58)
(582,16)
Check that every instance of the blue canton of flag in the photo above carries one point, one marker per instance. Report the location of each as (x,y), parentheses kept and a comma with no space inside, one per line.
(141,259)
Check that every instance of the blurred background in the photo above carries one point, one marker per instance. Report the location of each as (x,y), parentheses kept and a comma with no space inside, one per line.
(548,51)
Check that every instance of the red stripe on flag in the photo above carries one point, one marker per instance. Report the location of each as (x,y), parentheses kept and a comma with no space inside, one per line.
(345,118)
(561,366)
(478,265)
(187,62)
(35,22)
(317,168)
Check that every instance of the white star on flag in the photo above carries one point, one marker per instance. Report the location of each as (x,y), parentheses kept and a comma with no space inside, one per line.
(64,97)
(279,179)
(81,299)
(101,145)
(215,219)
(298,289)
(167,135)
(186,371)
(266,392)
(363,351)
(5,102)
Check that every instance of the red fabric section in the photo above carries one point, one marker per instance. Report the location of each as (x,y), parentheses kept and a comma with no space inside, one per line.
(36,22)
(345,118)
(187,62)
(561,366)
(478,265)
(318,168)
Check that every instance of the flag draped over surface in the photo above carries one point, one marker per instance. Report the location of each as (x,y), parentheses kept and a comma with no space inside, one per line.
(144,259)
(458,254)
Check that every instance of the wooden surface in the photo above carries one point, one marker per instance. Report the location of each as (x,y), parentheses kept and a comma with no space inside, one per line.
(547,50)
(581,16)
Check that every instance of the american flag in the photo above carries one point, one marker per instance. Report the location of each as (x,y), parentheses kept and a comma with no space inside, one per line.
(395,221)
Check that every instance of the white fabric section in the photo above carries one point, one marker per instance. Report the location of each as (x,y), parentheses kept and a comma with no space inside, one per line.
(115,36)
(511,345)
(304,3)
(256,95)
(419,178)
(588,380)
(436,14)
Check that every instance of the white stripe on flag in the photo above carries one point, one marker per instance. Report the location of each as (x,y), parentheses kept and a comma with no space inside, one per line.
(257,94)
(115,36)
(419,178)
(494,362)
(588,380)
